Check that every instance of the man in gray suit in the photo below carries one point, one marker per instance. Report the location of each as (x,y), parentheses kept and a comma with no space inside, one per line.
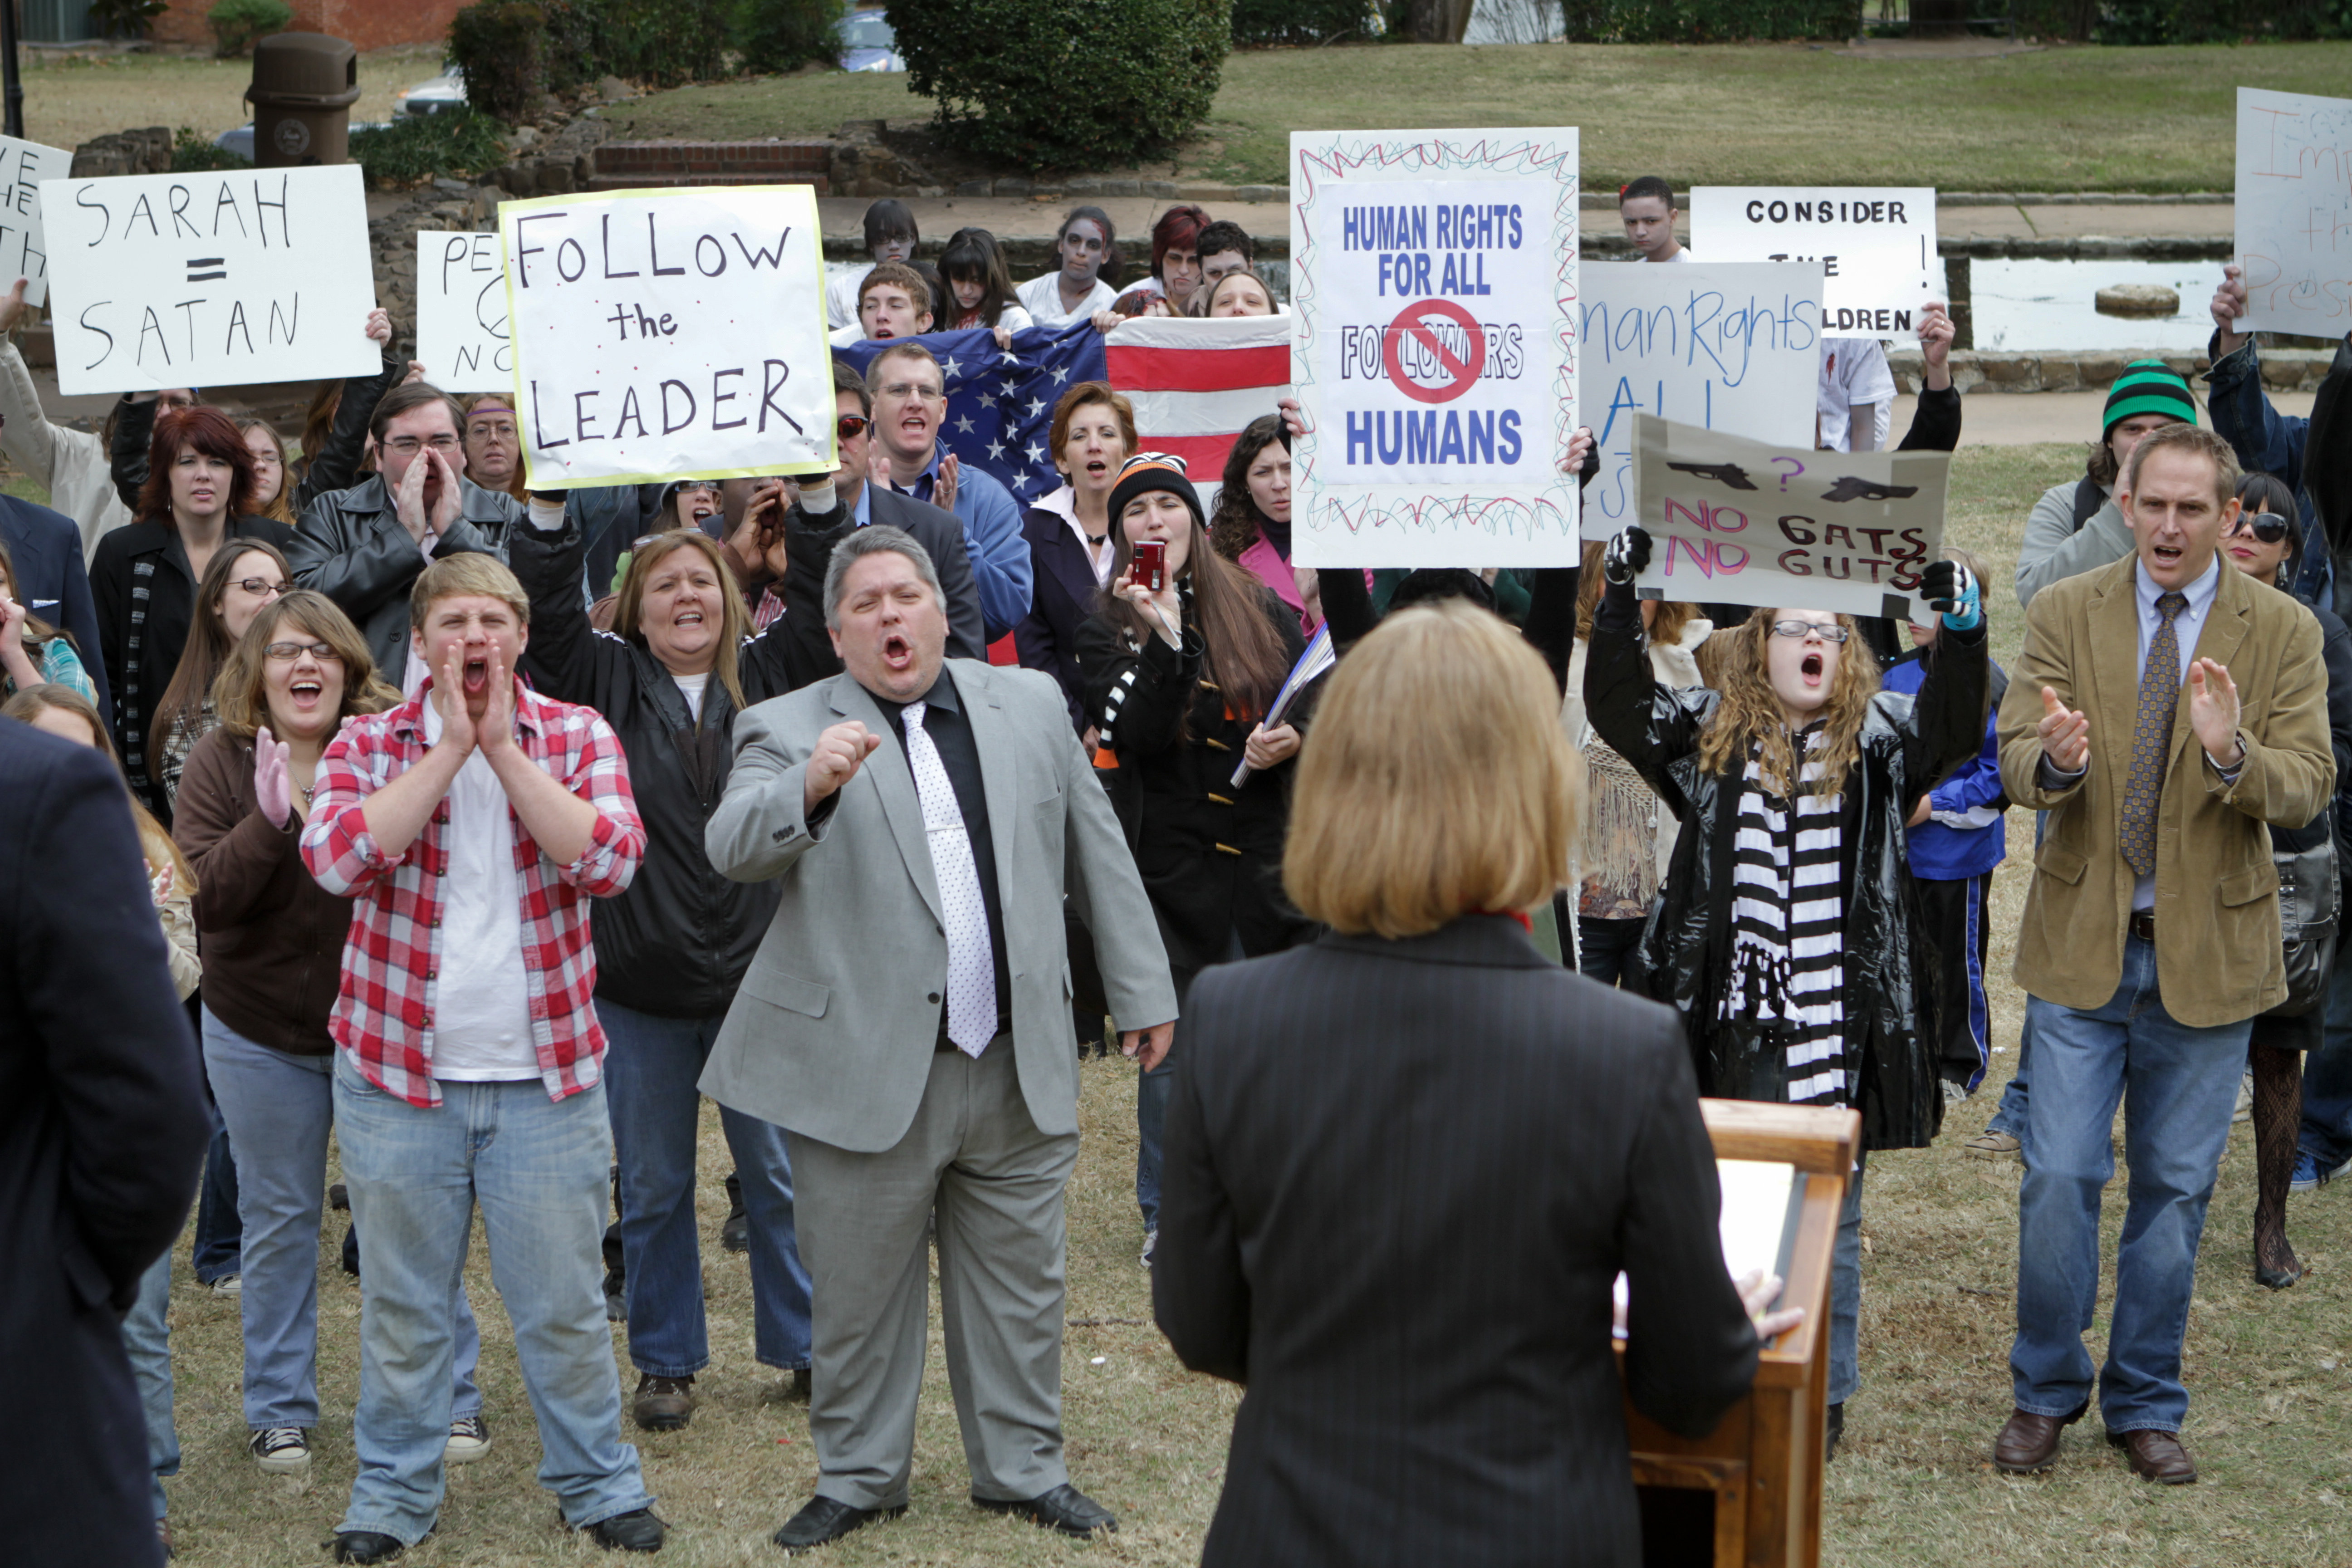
(906,1021)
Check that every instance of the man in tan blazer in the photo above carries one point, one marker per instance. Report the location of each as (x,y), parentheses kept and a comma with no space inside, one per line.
(2165,708)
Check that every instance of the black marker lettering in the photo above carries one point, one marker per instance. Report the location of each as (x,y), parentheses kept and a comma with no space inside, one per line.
(711,240)
(772,377)
(285,235)
(538,434)
(106,219)
(88,326)
(718,397)
(671,426)
(524,249)
(607,221)
(178,197)
(652,248)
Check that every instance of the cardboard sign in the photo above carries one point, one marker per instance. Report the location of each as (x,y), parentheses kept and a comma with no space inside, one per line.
(255,275)
(461,311)
(1744,522)
(2294,212)
(669,335)
(1876,246)
(23,246)
(1434,282)
(1724,345)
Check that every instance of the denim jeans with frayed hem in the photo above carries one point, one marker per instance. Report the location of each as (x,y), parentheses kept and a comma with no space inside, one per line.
(147,1339)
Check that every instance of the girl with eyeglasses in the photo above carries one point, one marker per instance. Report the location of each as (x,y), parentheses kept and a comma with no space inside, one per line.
(243,578)
(1783,935)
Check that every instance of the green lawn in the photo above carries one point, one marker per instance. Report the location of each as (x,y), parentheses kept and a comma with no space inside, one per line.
(2059,119)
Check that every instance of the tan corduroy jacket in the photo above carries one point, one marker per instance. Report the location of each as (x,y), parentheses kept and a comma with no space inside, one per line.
(2217,917)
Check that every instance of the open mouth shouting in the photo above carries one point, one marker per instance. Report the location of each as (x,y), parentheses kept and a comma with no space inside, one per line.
(1809,669)
(477,675)
(2166,556)
(1098,469)
(305,693)
(897,654)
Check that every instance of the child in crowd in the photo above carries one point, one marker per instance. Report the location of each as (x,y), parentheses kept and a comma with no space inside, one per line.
(978,283)
(891,236)
(894,302)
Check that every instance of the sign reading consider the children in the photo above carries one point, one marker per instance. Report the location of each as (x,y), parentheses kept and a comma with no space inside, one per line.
(1876,247)
(251,274)
(461,311)
(1433,277)
(2294,212)
(669,335)
(1737,521)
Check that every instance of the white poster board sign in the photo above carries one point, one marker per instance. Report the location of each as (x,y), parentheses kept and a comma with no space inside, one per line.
(2294,212)
(1876,246)
(24,246)
(1434,279)
(1745,523)
(1725,346)
(669,335)
(222,278)
(461,311)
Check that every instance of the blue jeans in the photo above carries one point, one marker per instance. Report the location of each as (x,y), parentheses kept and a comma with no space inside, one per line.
(147,1338)
(2011,1117)
(537,1167)
(1605,949)
(278,1108)
(2327,1075)
(651,1067)
(1846,1292)
(2178,1086)
(214,1253)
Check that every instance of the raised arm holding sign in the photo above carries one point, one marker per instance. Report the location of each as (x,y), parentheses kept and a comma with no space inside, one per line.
(2293,209)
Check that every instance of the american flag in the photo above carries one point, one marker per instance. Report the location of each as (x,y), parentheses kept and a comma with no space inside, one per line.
(1196,384)
(1001,401)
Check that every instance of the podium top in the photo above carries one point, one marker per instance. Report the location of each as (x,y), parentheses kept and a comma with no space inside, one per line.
(1814,1139)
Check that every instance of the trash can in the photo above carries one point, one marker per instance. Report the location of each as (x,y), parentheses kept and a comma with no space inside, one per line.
(304,85)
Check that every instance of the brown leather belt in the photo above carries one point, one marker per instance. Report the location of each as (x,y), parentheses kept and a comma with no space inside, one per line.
(2143,924)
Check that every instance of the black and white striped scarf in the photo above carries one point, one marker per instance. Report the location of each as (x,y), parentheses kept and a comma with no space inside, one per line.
(1788,944)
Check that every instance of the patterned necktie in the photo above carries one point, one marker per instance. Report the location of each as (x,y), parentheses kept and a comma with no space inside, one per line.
(2159,697)
(971,968)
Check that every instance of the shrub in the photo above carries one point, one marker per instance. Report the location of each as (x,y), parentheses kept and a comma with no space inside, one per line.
(779,35)
(1070,84)
(125,19)
(1261,22)
(1709,21)
(193,153)
(419,146)
(661,43)
(500,46)
(237,25)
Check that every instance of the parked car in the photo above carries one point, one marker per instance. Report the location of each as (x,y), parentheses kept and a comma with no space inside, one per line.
(868,43)
(240,141)
(436,94)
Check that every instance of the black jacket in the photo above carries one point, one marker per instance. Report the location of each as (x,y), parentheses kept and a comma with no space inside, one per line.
(333,467)
(677,941)
(1907,746)
(1209,852)
(1404,1244)
(1063,594)
(353,549)
(45,549)
(101,1131)
(145,597)
(808,547)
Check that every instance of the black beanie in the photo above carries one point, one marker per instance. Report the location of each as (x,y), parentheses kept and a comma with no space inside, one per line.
(1149,471)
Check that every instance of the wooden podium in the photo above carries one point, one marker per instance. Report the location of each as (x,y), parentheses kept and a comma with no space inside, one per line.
(1748,1494)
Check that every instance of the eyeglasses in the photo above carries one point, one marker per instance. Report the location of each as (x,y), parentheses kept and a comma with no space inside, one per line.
(288,652)
(260,588)
(409,445)
(701,486)
(2266,526)
(910,389)
(1809,628)
(850,426)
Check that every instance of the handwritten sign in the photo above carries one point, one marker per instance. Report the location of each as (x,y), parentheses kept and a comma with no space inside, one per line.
(1433,278)
(24,246)
(1876,247)
(2294,212)
(461,311)
(257,274)
(1724,345)
(1737,521)
(669,335)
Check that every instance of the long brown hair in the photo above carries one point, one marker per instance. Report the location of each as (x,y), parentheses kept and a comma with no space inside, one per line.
(1749,714)
(207,647)
(1667,622)
(204,430)
(734,621)
(1243,655)
(241,697)
(153,842)
(281,505)
(1233,528)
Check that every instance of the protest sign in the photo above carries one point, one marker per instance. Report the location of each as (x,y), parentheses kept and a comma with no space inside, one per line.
(1745,523)
(204,279)
(24,248)
(1731,346)
(2294,212)
(669,335)
(461,311)
(1433,277)
(1876,247)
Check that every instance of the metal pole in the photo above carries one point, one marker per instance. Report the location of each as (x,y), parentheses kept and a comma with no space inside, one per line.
(11,90)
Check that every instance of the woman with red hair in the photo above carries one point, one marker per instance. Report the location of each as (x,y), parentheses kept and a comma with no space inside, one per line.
(197,496)
(1175,262)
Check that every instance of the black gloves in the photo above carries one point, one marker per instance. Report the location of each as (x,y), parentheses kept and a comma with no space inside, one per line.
(1625,556)
(1951,590)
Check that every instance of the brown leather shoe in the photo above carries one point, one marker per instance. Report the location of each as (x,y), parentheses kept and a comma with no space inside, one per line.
(662,1404)
(2028,1445)
(2156,1456)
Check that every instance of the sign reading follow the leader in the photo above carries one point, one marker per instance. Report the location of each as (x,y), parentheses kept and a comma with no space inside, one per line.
(1433,281)
(205,280)
(669,335)
(1876,247)
(24,246)
(2294,212)
(1721,344)
(461,311)
(1737,521)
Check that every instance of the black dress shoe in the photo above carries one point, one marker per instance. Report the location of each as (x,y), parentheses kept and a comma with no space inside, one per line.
(1065,1509)
(1833,1429)
(366,1546)
(638,1532)
(822,1519)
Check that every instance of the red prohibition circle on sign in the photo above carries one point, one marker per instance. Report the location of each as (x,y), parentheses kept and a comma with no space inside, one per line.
(1465,373)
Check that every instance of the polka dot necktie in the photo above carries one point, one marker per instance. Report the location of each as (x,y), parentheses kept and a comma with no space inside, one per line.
(2159,697)
(971,968)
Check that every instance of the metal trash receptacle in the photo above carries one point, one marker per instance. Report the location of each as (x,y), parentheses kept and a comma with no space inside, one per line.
(304,85)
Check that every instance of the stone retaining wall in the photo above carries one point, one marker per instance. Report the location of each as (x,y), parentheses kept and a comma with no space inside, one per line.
(2283,370)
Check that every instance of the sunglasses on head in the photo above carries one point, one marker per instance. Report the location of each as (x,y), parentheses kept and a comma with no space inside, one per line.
(2266,526)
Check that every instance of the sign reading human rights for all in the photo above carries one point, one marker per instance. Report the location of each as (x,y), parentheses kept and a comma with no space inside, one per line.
(668,335)
(462,339)
(1876,247)
(1745,523)
(2294,212)
(205,280)
(1434,286)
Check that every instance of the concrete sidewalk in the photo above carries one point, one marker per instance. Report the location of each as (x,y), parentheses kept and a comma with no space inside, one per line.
(2039,417)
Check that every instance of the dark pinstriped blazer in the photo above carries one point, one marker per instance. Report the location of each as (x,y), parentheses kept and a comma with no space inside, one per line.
(1399,1179)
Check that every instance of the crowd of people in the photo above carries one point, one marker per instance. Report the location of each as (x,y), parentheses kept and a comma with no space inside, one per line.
(490,830)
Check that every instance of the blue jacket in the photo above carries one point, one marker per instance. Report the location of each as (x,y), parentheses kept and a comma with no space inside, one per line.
(992,537)
(53,583)
(2269,442)
(1964,836)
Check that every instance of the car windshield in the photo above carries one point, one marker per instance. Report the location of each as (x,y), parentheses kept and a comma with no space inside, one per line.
(867,30)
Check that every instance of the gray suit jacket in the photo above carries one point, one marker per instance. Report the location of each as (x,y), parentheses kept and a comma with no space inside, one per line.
(831,1035)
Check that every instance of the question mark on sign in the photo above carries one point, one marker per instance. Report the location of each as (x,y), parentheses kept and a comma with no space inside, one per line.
(1795,467)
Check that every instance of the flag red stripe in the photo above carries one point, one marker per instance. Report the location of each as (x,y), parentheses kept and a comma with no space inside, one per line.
(1204,456)
(1199,369)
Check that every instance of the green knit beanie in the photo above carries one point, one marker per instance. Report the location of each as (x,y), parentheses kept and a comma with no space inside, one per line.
(2145,387)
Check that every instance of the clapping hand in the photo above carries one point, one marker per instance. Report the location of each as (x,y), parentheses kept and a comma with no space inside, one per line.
(273,778)
(2213,712)
(943,490)
(1627,554)
(840,753)
(2065,734)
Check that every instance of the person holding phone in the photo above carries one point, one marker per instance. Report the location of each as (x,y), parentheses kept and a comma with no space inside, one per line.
(1177,667)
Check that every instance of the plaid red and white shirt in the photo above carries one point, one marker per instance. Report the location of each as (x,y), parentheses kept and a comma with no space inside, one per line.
(392,960)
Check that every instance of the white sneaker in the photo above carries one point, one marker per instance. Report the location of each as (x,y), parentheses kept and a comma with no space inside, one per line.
(469,1439)
(2245,1110)
(228,1285)
(281,1450)
(1150,1241)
